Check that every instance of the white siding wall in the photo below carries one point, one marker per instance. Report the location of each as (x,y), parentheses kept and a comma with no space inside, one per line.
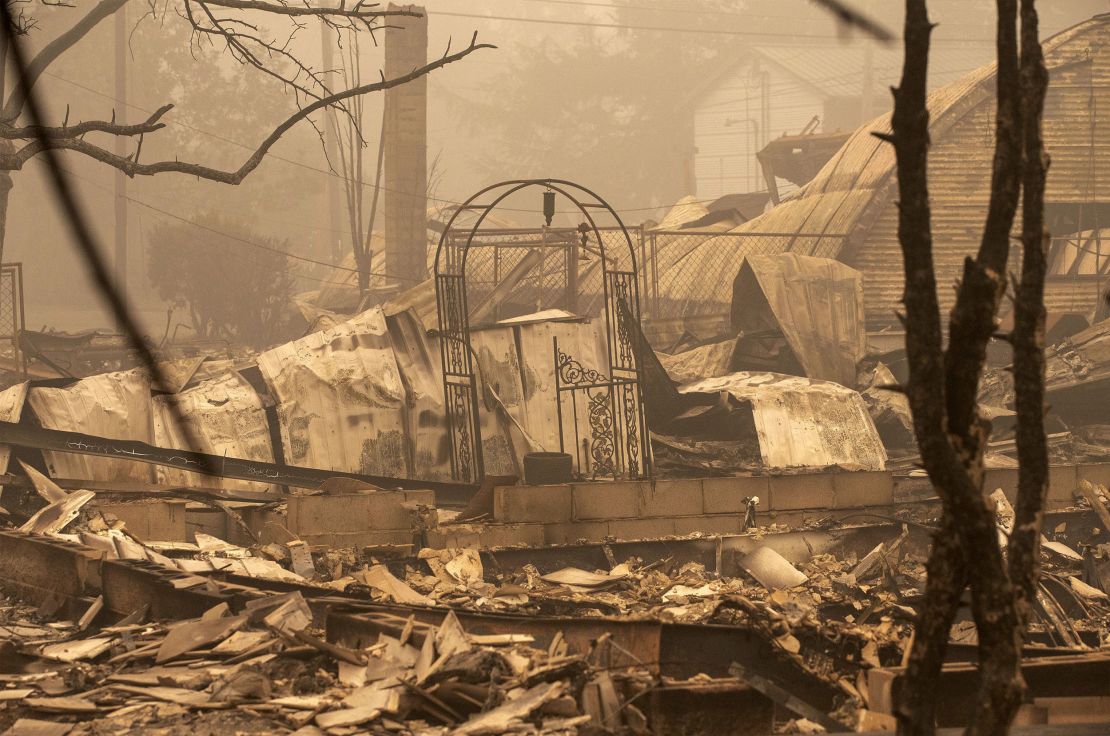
(729,128)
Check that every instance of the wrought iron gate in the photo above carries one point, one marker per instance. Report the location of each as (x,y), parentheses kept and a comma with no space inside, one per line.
(616,432)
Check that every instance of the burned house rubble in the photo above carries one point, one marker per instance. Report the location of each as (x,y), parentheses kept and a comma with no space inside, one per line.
(525,467)
(316,566)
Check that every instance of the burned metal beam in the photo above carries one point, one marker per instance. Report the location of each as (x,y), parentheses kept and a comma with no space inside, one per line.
(128,585)
(1085,674)
(38,569)
(40,438)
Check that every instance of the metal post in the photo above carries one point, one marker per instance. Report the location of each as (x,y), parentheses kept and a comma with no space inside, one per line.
(573,255)
(558,398)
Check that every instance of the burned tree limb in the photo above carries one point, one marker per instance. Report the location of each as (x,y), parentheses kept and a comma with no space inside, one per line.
(910,123)
(49,53)
(973,319)
(943,384)
(925,390)
(15,160)
(359,11)
(246,43)
(1029,325)
(151,124)
(855,19)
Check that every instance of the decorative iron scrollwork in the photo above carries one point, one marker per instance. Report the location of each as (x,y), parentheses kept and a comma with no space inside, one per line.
(602,432)
(613,415)
(573,373)
(461,421)
(620,313)
(631,428)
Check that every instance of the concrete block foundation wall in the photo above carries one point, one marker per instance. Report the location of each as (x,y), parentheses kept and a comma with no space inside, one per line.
(648,509)
(149,520)
(357,519)
(382,518)
(564,514)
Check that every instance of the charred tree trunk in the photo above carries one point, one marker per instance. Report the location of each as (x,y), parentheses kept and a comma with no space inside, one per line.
(943,384)
(925,390)
(947,578)
(1029,325)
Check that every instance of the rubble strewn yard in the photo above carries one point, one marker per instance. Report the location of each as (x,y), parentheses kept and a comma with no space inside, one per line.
(661,375)
(806,625)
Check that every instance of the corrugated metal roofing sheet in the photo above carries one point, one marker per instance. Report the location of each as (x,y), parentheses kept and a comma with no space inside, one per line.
(845,196)
(12,400)
(341,402)
(113,405)
(227,419)
(802,423)
(817,303)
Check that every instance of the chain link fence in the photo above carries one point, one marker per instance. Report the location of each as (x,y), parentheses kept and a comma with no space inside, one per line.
(12,318)
(515,272)
(685,276)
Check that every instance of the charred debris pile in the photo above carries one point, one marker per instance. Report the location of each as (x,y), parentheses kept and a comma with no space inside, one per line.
(778,630)
(313,568)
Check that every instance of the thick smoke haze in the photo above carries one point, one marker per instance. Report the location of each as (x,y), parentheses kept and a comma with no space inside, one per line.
(600,92)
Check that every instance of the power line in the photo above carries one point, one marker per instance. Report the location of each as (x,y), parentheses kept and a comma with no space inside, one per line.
(631,27)
(245,241)
(683,11)
(667,29)
(235,253)
(236,238)
(300,164)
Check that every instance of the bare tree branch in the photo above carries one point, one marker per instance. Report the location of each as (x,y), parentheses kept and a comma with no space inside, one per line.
(365,14)
(149,125)
(972,323)
(274,57)
(16,160)
(926,386)
(855,19)
(52,50)
(359,11)
(980,292)
(950,433)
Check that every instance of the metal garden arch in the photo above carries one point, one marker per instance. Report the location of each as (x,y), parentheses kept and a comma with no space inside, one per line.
(617,443)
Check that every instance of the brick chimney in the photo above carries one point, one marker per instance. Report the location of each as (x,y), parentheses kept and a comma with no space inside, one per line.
(405,185)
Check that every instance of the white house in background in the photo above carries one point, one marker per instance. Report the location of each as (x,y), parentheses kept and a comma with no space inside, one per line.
(771,91)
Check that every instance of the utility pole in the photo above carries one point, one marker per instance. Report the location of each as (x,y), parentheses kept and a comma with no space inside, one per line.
(335,248)
(121,149)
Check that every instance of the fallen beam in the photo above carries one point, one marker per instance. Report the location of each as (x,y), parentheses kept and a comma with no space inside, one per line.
(40,438)
(38,569)
(129,585)
(146,490)
(1078,675)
